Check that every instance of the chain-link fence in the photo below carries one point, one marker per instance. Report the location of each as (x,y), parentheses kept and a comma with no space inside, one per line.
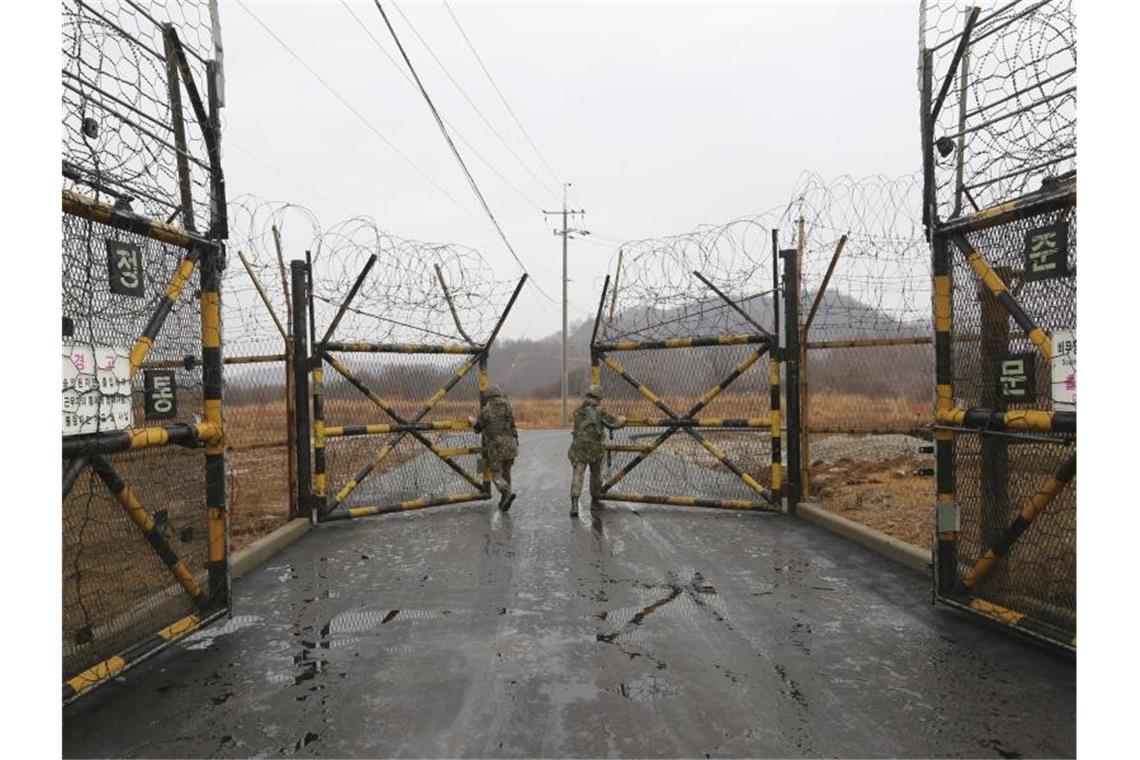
(865,350)
(401,330)
(683,351)
(144,504)
(999,117)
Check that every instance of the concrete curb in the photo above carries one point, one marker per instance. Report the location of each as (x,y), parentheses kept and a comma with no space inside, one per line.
(890,547)
(249,558)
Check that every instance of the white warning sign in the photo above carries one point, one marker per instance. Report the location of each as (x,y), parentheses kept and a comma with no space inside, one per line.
(96,389)
(1064,371)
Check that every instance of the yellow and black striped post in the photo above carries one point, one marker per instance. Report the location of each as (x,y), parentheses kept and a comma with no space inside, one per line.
(1053,486)
(300,371)
(791,355)
(149,529)
(217,514)
(319,434)
(774,422)
(946,510)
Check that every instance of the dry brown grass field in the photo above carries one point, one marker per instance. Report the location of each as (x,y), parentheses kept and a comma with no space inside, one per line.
(259,487)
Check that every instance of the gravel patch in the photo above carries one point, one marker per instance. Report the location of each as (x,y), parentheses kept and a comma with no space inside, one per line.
(868,448)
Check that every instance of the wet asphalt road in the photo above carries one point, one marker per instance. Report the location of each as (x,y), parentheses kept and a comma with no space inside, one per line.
(666,631)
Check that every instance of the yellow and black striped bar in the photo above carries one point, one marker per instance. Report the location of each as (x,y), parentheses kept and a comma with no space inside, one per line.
(689,501)
(174,434)
(1037,420)
(217,513)
(924,340)
(775,423)
(701,422)
(178,280)
(145,523)
(1018,621)
(86,207)
(320,461)
(630,448)
(403,348)
(1053,486)
(410,504)
(104,671)
(997,288)
(387,409)
(946,527)
(1059,196)
(344,431)
(459,451)
(693,342)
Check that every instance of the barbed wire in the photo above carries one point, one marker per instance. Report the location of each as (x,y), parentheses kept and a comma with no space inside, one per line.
(401,301)
(117,125)
(1011,121)
(880,284)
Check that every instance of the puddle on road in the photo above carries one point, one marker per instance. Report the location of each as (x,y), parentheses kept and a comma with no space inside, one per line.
(204,639)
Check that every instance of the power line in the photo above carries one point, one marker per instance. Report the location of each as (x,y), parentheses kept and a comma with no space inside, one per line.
(355,112)
(454,150)
(502,97)
(409,80)
(471,103)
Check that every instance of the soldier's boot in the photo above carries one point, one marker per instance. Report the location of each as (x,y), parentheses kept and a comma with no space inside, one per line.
(595,503)
(505,500)
(573,506)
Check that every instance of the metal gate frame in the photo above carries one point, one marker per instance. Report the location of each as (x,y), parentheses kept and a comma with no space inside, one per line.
(951,586)
(206,252)
(688,420)
(308,366)
(93,450)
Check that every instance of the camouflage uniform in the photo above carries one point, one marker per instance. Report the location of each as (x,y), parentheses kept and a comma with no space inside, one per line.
(496,422)
(588,448)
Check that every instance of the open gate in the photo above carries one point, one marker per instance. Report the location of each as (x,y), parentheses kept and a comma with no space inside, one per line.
(145,518)
(695,372)
(395,391)
(999,142)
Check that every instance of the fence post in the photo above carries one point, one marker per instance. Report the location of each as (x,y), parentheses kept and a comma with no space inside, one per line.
(793,485)
(995,449)
(300,370)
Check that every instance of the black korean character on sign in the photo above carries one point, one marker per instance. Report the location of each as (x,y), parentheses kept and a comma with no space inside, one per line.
(1047,252)
(125,268)
(1016,380)
(160,394)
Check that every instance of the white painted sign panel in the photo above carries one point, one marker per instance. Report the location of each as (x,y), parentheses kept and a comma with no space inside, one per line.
(96,389)
(1065,370)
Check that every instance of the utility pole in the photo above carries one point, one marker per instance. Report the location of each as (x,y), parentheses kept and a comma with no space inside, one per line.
(566,233)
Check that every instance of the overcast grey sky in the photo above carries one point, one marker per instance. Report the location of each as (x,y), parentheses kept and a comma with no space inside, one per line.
(662,115)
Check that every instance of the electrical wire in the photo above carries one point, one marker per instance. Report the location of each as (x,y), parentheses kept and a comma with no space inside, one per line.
(471,103)
(454,150)
(351,108)
(502,97)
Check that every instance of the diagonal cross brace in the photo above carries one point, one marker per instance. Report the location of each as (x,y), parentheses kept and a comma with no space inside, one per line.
(385,407)
(704,401)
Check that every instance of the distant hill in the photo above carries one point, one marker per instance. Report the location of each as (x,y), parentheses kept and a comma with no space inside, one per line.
(531,367)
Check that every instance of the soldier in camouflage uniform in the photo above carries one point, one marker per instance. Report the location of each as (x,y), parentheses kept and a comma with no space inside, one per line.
(496,422)
(588,446)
